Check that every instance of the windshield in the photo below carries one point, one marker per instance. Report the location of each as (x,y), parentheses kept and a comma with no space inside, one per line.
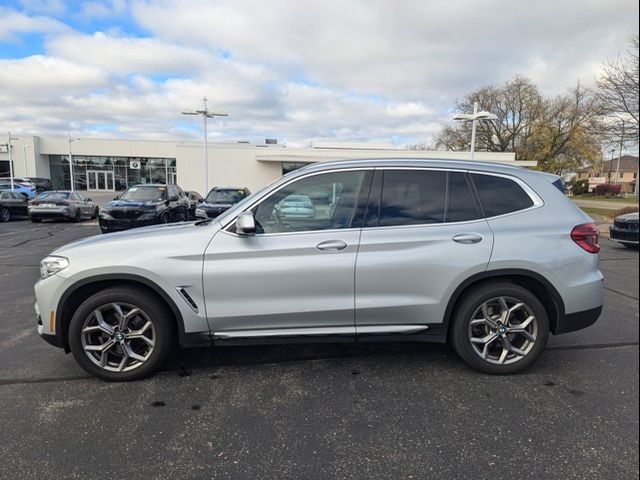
(53,196)
(144,194)
(225,196)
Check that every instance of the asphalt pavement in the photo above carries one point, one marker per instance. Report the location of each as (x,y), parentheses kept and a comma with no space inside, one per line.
(317,411)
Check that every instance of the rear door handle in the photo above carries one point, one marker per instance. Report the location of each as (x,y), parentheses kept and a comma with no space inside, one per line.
(467,238)
(331,245)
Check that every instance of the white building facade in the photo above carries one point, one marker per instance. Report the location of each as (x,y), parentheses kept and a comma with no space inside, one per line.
(101,164)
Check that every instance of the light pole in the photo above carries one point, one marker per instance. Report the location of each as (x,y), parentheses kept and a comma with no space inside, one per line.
(71,140)
(24,158)
(465,117)
(206,114)
(9,138)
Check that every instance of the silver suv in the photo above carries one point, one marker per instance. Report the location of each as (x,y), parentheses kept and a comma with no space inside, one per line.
(488,257)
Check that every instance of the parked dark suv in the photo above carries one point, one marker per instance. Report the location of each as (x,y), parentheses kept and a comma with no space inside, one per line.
(221,199)
(143,205)
(625,230)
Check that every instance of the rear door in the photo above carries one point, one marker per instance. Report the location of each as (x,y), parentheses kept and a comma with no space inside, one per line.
(423,235)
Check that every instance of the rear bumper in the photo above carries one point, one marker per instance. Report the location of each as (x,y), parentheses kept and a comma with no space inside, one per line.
(63,212)
(577,321)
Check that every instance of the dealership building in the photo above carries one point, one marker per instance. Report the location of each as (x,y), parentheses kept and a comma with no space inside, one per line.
(101,164)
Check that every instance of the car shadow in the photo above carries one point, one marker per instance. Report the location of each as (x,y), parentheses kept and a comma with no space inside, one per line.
(187,359)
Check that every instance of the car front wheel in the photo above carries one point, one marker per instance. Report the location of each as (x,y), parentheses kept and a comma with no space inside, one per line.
(5,215)
(499,328)
(121,334)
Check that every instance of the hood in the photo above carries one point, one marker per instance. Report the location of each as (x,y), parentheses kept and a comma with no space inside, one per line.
(130,204)
(628,216)
(165,234)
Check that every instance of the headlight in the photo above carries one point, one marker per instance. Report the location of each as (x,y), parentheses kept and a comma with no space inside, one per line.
(52,265)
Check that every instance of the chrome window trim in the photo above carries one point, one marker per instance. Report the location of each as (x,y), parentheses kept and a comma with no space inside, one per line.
(537,201)
(535,198)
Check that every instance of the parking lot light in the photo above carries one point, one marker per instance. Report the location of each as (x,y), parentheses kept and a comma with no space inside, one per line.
(206,113)
(465,117)
(11,172)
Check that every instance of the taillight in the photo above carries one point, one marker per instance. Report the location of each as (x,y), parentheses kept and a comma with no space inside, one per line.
(586,236)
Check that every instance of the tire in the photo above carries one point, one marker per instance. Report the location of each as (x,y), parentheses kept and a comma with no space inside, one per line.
(632,247)
(116,366)
(36,220)
(164,218)
(96,212)
(496,361)
(5,214)
(77,217)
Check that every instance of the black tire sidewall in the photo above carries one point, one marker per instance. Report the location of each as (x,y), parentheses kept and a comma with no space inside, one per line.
(467,306)
(5,214)
(159,315)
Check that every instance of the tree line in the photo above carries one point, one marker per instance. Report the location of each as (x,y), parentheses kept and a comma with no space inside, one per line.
(561,133)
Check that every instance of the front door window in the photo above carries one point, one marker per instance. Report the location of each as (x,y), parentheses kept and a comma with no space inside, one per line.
(320,202)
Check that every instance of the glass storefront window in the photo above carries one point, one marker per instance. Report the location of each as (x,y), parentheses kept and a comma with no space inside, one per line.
(151,170)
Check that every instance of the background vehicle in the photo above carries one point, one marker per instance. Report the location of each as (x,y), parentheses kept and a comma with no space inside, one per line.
(624,230)
(194,200)
(27,190)
(221,199)
(490,258)
(42,184)
(12,204)
(295,206)
(143,205)
(62,205)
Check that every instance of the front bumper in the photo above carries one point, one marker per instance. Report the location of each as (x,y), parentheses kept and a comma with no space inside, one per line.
(629,235)
(115,225)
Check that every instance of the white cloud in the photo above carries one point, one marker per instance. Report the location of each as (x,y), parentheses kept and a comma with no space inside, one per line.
(363,70)
(13,23)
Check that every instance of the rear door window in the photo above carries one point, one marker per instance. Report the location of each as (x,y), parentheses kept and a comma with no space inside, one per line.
(412,197)
(499,195)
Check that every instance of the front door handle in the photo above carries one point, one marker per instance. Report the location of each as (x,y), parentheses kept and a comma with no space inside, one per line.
(332,245)
(467,238)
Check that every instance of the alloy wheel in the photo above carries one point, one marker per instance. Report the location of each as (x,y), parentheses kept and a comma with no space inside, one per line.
(118,337)
(503,330)
(5,216)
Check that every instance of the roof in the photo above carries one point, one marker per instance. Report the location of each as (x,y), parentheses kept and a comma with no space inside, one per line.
(628,163)
(415,162)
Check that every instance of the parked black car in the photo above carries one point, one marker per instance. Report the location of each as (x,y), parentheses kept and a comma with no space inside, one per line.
(195,199)
(625,230)
(42,184)
(12,205)
(62,205)
(143,205)
(221,199)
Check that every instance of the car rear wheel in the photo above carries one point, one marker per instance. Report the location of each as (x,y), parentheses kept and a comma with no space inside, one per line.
(5,214)
(121,334)
(499,328)
(78,216)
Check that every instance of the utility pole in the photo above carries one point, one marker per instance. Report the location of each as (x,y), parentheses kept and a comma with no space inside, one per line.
(9,138)
(474,120)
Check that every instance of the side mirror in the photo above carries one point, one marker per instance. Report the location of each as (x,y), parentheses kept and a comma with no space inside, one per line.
(116,197)
(246,224)
(201,214)
(200,200)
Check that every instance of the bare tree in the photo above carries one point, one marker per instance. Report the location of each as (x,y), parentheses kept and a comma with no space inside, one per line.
(617,94)
(556,132)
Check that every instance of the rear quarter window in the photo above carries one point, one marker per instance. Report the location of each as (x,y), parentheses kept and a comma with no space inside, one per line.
(499,195)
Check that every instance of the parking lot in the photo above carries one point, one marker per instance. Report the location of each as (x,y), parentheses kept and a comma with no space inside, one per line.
(317,411)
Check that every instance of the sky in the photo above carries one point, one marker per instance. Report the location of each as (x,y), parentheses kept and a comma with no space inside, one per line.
(296,70)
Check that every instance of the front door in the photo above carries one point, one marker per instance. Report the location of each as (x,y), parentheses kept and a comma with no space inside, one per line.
(296,274)
(100,180)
